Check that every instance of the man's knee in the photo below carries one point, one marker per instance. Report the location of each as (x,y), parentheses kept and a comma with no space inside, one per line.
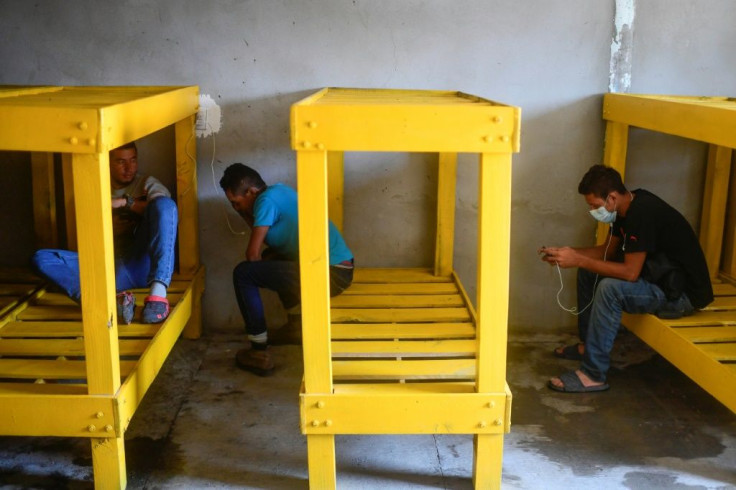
(162,206)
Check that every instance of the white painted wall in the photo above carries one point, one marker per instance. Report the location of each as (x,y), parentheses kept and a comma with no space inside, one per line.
(255,58)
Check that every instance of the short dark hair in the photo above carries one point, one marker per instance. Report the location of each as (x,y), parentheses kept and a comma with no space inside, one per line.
(238,178)
(600,181)
(130,144)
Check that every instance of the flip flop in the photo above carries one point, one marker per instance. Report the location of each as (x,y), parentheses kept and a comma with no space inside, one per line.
(571,384)
(569,352)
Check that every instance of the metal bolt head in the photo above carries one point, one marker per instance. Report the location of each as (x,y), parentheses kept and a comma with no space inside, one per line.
(320,404)
(99,415)
(315,423)
(91,428)
(328,423)
(483,424)
(498,422)
(73,140)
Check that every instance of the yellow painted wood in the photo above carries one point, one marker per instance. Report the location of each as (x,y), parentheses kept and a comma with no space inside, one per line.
(42,390)
(90,119)
(722,303)
(708,334)
(83,123)
(108,463)
(402,330)
(395,412)
(381,275)
(314,270)
(137,382)
(419,348)
(61,415)
(409,369)
(193,328)
(720,351)
(399,288)
(403,337)
(345,120)
(321,460)
(724,289)
(614,155)
(399,315)
(70,214)
(444,243)
(51,369)
(369,389)
(728,257)
(716,378)
(704,318)
(63,329)
(487,461)
(397,301)
(494,239)
(186,195)
(96,271)
(61,347)
(336,187)
(44,200)
(713,215)
(707,119)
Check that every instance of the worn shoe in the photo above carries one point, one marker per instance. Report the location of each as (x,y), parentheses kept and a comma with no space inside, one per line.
(126,307)
(155,309)
(255,360)
(288,334)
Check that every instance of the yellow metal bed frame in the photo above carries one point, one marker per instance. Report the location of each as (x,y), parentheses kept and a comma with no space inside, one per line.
(403,351)
(90,373)
(702,346)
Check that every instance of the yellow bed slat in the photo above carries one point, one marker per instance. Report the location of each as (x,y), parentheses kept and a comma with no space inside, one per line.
(51,369)
(704,318)
(33,329)
(397,275)
(403,301)
(400,288)
(399,315)
(28,388)
(722,303)
(708,334)
(402,330)
(404,369)
(405,388)
(417,348)
(61,347)
(725,351)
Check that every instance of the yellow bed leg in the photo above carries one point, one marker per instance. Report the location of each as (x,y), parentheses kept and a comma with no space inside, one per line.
(487,460)
(321,453)
(108,463)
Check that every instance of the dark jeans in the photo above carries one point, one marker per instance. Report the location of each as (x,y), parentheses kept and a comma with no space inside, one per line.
(150,259)
(281,276)
(599,324)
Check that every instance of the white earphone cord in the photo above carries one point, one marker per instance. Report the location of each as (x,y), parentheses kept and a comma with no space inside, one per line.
(574,309)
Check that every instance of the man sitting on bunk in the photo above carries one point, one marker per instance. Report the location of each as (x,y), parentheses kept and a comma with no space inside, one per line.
(271,213)
(144,219)
(651,263)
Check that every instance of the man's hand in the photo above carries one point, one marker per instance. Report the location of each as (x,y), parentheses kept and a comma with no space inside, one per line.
(119,202)
(563,256)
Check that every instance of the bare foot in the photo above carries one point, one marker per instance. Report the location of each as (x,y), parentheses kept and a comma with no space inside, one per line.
(587,382)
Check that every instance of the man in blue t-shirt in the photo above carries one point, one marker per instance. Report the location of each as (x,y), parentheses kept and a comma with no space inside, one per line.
(271,213)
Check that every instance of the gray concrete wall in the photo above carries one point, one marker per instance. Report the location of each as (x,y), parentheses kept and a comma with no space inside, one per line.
(255,58)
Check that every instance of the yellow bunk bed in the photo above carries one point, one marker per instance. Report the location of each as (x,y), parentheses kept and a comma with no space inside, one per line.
(702,346)
(403,351)
(70,371)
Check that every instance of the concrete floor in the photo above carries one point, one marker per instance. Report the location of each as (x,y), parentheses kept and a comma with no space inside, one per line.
(205,424)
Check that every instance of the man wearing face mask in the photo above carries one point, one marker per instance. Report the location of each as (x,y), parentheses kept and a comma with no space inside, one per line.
(651,263)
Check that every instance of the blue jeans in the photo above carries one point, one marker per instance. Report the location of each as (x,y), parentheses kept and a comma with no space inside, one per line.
(150,258)
(281,276)
(599,324)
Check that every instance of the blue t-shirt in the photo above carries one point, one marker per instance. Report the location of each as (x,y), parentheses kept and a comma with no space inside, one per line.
(276,208)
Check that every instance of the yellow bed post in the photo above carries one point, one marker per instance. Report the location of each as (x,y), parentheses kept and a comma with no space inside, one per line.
(188,207)
(314,269)
(494,238)
(99,316)
(365,350)
(446,183)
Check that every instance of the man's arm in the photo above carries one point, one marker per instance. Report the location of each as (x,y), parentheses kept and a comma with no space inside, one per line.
(255,245)
(588,259)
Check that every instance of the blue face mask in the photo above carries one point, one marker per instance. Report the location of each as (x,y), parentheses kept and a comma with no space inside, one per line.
(603,215)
